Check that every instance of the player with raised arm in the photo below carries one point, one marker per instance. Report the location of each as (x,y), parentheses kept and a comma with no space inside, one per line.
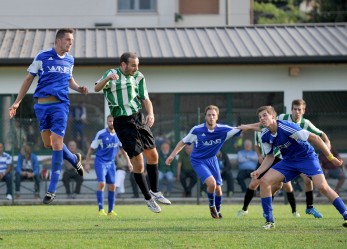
(255,182)
(298,157)
(298,111)
(125,90)
(54,68)
(208,138)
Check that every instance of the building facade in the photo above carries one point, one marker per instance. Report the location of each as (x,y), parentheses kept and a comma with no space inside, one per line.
(123,13)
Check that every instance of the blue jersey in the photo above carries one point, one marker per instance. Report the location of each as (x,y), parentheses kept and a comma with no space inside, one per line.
(54,73)
(290,139)
(106,145)
(208,142)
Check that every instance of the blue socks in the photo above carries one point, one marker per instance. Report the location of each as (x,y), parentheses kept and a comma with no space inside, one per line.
(218,202)
(100,199)
(267,208)
(57,165)
(211,199)
(214,200)
(68,156)
(341,207)
(111,200)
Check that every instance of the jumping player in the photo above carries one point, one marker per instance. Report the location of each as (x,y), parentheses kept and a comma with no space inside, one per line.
(54,69)
(125,91)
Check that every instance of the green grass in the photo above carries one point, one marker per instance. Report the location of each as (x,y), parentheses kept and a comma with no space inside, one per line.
(178,226)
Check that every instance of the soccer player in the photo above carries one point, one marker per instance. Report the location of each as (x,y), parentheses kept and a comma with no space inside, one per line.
(106,145)
(255,182)
(298,110)
(125,91)
(54,68)
(208,138)
(298,157)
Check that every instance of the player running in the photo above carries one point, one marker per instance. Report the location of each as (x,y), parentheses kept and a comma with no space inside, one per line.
(207,138)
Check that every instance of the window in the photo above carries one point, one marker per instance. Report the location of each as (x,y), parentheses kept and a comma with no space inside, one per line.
(198,7)
(327,111)
(136,5)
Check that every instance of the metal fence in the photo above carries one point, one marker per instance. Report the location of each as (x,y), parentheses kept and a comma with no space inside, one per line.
(14,133)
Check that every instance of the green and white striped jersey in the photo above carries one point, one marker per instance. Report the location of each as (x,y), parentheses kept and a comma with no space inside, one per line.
(125,94)
(257,142)
(303,123)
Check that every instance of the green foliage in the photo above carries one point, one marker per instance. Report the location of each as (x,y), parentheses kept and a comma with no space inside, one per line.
(269,13)
(287,12)
(178,226)
(330,11)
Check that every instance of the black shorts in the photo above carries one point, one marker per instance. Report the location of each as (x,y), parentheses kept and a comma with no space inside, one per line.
(277,159)
(134,134)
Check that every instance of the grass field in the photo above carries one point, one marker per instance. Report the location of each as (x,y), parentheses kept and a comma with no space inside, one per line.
(178,226)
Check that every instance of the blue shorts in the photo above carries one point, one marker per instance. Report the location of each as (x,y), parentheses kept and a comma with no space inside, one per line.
(52,117)
(105,172)
(205,168)
(291,169)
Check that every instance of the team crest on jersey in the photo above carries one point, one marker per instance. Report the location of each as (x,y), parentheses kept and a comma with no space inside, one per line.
(283,146)
(59,69)
(212,142)
(112,145)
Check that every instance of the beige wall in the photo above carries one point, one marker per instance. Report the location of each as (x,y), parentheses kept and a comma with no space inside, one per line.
(222,78)
(85,13)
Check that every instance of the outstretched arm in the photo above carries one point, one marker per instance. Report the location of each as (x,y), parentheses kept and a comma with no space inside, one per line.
(326,140)
(267,162)
(319,143)
(180,145)
(74,86)
(23,90)
(253,127)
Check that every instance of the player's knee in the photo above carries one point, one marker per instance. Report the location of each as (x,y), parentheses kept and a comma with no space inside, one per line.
(324,188)
(101,186)
(254,184)
(266,183)
(288,188)
(112,187)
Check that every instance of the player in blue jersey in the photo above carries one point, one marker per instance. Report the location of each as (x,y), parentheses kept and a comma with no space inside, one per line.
(106,144)
(298,157)
(297,116)
(54,69)
(208,138)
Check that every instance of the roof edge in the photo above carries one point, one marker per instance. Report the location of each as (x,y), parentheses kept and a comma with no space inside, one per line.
(338,59)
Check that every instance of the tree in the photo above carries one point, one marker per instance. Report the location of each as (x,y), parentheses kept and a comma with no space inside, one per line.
(330,11)
(278,12)
(299,11)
